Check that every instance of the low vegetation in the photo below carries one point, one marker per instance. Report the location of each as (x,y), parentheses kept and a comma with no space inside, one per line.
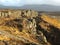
(28,28)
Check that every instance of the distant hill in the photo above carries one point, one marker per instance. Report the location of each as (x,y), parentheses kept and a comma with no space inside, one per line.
(35,7)
(8,7)
(42,7)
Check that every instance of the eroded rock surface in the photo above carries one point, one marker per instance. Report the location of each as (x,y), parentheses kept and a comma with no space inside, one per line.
(28,28)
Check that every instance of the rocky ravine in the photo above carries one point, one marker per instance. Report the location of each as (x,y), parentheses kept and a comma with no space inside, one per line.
(28,28)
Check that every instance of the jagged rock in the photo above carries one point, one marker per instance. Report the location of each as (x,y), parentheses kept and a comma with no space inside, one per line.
(28,28)
(20,13)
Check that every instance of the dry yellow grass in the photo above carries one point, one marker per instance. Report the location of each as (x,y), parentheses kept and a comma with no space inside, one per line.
(15,32)
(51,21)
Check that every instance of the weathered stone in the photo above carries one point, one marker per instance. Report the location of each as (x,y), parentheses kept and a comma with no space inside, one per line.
(25,27)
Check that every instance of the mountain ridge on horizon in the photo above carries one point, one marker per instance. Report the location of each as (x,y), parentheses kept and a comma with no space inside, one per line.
(34,7)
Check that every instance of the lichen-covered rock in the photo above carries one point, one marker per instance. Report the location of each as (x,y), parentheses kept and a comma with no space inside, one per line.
(26,27)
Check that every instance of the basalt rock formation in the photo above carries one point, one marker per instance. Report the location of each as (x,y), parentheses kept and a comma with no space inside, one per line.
(27,27)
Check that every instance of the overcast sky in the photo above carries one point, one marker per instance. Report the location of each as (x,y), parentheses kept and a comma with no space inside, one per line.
(24,2)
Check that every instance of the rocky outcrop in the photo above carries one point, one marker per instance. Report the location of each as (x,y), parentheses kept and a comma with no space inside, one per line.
(18,13)
(29,28)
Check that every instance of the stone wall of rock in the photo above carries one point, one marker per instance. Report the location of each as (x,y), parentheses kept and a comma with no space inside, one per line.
(26,27)
(18,13)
